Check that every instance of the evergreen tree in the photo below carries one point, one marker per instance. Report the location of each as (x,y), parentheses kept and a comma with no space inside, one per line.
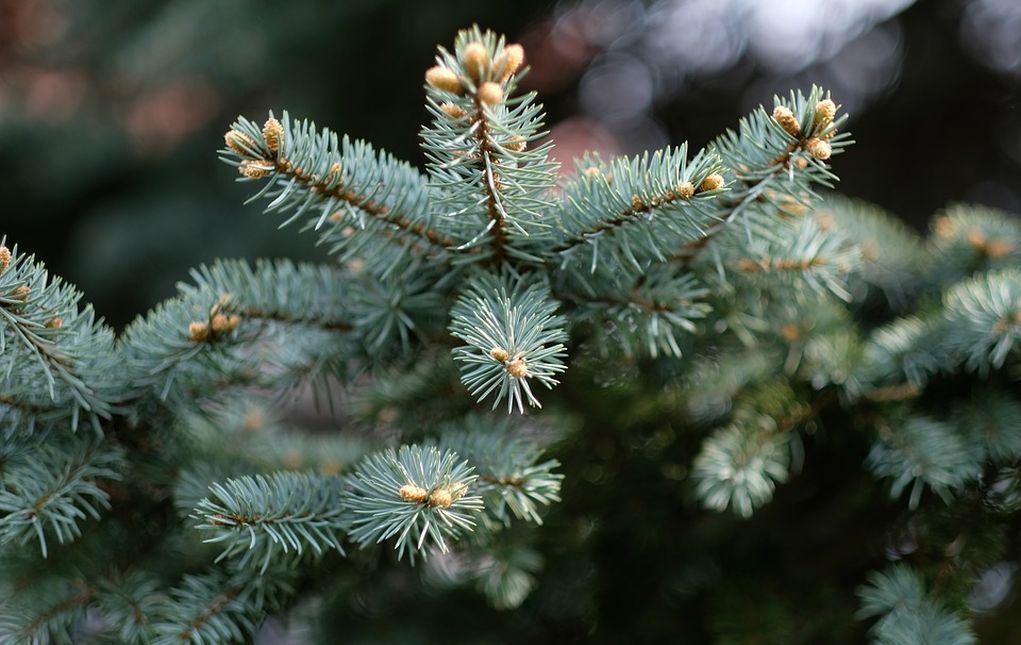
(162,485)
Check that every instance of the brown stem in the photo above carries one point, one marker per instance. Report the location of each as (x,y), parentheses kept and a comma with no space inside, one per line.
(375,209)
(489,184)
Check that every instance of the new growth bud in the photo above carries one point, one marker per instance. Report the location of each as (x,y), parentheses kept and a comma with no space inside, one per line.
(818,148)
(255,169)
(825,110)
(500,354)
(508,62)
(198,331)
(441,498)
(443,78)
(273,133)
(490,93)
(5,258)
(240,142)
(476,60)
(712,182)
(412,493)
(787,120)
(685,190)
(518,368)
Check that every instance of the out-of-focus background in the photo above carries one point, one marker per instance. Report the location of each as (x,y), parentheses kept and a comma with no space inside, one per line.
(111,111)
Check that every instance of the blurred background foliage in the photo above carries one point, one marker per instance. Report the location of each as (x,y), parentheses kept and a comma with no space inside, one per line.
(111,112)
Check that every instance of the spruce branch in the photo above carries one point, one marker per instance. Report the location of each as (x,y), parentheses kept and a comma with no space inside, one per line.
(218,607)
(739,466)
(785,151)
(54,354)
(51,492)
(922,452)
(633,211)
(49,615)
(982,319)
(907,614)
(364,199)
(512,335)
(265,519)
(479,146)
(513,480)
(420,495)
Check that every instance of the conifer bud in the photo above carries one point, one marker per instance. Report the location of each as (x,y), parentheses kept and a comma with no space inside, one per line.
(224,324)
(5,258)
(54,323)
(518,368)
(490,93)
(21,293)
(500,354)
(453,111)
(818,148)
(508,61)
(593,172)
(998,248)
(255,169)
(516,143)
(412,493)
(443,79)
(441,498)
(273,133)
(945,227)
(476,60)
(787,120)
(712,182)
(825,110)
(801,163)
(685,190)
(239,142)
(198,331)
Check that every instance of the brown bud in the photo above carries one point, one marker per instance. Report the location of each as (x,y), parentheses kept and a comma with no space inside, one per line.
(685,190)
(441,498)
(54,323)
(412,493)
(977,239)
(787,120)
(500,354)
(516,143)
(870,250)
(712,182)
(21,293)
(518,368)
(818,148)
(255,169)
(637,204)
(233,321)
(801,162)
(255,420)
(490,93)
(452,110)
(240,142)
(5,258)
(998,248)
(945,227)
(273,133)
(593,172)
(443,78)
(198,331)
(221,324)
(330,467)
(790,332)
(508,61)
(476,60)
(825,110)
